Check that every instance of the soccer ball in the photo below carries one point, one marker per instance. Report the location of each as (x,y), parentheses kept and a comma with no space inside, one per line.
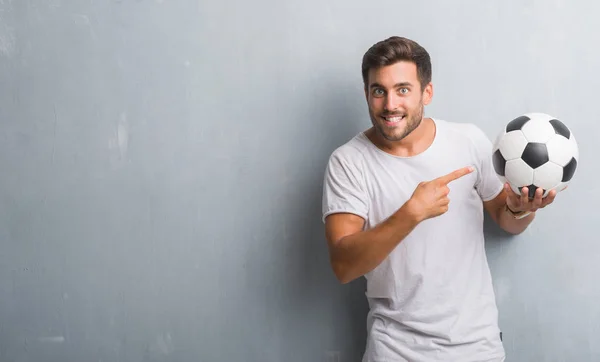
(535,150)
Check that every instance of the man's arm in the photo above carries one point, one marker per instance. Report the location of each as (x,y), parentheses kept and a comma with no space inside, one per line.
(496,208)
(354,252)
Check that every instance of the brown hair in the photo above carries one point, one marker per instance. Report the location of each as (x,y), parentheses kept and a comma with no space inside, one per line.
(393,50)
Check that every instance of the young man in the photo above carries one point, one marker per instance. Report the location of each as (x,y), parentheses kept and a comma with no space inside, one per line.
(403,205)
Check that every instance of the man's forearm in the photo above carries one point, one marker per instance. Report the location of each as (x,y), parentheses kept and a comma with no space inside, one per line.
(359,253)
(510,224)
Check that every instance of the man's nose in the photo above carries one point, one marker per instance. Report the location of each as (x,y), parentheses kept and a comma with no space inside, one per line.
(392,102)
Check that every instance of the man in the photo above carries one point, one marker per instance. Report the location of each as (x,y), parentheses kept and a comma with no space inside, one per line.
(403,205)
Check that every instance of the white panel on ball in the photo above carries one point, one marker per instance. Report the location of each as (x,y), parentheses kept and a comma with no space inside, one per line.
(538,130)
(560,150)
(561,186)
(518,173)
(512,145)
(547,176)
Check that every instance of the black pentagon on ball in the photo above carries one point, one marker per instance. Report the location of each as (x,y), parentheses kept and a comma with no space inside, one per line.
(499,162)
(517,123)
(535,154)
(560,128)
(531,189)
(569,170)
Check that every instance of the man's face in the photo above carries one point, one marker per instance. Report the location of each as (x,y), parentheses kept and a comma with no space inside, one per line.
(395,99)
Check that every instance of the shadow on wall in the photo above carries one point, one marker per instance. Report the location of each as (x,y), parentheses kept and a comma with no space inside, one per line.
(495,237)
(493,232)
(331,119)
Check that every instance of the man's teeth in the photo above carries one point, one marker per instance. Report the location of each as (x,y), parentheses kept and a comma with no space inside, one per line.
(394,119)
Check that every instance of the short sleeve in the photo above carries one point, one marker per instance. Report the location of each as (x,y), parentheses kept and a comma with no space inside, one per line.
(488,184)
(344,187)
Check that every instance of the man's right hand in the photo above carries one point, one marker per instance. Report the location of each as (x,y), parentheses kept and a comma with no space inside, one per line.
(430,198)
(355,251)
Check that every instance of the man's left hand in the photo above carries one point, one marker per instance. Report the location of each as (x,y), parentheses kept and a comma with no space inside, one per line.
(523,203)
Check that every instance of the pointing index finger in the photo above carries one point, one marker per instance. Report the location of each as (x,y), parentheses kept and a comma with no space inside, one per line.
(455,174)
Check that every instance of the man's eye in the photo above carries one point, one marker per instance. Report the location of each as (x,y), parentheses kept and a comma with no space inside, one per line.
(403,90)
(378,92)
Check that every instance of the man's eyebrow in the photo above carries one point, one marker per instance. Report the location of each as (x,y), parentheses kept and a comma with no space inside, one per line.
(397,85)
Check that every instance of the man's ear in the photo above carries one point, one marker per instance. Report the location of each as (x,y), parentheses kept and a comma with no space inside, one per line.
(428,94)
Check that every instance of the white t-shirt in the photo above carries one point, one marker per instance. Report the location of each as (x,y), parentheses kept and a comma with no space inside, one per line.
(432,298)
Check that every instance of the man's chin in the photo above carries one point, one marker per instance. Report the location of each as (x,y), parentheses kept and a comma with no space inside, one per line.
(393,136)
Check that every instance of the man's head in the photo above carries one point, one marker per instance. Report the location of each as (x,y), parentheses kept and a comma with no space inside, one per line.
(397,78)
